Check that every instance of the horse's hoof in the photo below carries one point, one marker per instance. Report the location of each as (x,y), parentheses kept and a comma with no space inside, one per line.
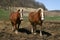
(16,32)
(34,33)
(40,35)
(21,19)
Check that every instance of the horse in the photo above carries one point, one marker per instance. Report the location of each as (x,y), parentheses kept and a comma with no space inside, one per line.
(16,18)
(36,18)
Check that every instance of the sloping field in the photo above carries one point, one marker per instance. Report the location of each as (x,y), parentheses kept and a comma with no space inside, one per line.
(50,29)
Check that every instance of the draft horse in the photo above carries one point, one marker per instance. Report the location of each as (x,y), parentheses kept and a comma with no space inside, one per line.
(16,18)
(36,18)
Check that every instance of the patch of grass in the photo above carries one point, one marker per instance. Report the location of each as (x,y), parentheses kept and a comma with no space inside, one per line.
(4,14)
(52,18)
(25,18)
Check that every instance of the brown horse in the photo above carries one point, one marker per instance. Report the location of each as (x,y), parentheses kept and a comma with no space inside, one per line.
(36,18)
(16,18)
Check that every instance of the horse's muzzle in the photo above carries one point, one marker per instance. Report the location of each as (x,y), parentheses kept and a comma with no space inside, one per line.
(21,19)
(42,18)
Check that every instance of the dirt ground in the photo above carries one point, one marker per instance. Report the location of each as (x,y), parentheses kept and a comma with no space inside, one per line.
(50,30)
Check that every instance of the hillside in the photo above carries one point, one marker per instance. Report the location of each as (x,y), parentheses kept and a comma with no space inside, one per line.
(22,3)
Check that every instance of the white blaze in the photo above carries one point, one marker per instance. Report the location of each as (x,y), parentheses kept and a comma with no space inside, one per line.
(42,17)
(21,15)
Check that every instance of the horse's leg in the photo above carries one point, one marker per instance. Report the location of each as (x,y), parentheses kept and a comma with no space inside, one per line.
(33,30)
(19,24)
(41,29)
(15,29)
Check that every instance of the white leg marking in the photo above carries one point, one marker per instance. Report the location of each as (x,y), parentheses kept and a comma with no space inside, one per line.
(34,33)
(32,30)
(40,33)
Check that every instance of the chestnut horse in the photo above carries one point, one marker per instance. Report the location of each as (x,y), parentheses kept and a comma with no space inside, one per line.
(36,18)
(16,18)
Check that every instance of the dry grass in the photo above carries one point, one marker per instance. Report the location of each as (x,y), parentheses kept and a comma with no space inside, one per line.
(51,31)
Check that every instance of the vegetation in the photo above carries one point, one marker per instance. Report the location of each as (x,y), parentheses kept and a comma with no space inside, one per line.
(22,3)
(4,15)
(52,18)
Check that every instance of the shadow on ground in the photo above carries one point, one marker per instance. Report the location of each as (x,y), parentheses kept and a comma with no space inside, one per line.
(23,30)
(44,33)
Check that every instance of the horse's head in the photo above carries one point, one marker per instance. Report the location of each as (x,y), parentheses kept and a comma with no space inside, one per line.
(40,11)
(21,15)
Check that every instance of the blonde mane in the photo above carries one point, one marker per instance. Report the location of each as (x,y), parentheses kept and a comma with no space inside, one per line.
(42,14)
(39,9)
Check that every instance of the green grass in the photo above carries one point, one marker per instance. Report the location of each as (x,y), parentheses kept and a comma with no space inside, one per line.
(52,18)
(25,18)
(4,15)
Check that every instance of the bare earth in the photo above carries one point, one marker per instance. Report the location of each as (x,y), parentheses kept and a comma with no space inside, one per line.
(51,31)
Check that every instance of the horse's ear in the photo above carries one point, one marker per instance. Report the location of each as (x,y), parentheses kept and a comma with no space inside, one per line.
(22,10)
(18,10)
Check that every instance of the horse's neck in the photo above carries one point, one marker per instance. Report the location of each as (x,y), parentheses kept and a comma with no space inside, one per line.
(17,12)
(39,13)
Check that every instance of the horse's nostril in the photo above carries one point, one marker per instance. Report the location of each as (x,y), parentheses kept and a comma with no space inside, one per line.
(21,19)
(42,18)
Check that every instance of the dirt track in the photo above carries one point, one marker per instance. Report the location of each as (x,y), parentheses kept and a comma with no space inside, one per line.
(51,31)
